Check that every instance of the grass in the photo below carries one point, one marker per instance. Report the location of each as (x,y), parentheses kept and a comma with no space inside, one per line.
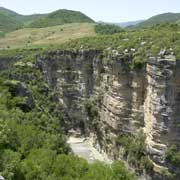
(30,37)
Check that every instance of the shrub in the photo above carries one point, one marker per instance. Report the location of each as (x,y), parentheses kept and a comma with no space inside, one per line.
(173,155)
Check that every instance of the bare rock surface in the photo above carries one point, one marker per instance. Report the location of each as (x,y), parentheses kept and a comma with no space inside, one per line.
(83,148)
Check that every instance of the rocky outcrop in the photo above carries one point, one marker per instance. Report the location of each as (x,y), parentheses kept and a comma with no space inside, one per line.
(161,108)
(128,100)
(122,94)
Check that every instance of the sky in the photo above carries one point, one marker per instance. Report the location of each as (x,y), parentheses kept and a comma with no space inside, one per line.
(99,10)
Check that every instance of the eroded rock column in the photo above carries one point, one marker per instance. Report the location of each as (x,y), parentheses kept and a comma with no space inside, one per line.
(158,107)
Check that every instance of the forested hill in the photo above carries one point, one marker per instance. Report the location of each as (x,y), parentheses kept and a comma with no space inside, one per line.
(61,17)
(160,19)
(10,20)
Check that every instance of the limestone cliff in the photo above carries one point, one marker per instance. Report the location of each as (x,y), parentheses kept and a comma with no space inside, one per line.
(128,100)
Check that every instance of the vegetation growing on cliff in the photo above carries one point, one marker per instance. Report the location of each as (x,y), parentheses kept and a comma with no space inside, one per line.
(91,109)
(135,152)
(173,155)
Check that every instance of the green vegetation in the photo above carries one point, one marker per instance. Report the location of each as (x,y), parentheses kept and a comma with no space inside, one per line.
(173,155)
(61,17)
(91,109)
(107,29)
(52,167)
(135,152)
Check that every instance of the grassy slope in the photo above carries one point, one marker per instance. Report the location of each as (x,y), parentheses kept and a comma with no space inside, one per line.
(60,17)
(44,36)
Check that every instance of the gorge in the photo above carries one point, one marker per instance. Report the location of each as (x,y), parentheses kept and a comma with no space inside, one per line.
(104,98)
(87,100)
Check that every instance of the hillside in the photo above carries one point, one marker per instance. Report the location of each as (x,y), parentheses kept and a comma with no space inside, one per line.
(161,18)
(29,37)
(11,21)
(8,20)
(61,17)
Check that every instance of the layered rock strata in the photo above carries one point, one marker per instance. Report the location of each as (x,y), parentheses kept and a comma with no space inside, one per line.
(128,100)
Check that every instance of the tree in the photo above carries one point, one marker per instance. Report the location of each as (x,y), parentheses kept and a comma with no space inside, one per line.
(9,164)
(38,164)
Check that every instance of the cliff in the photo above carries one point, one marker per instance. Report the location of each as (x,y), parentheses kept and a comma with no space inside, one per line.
(103,97)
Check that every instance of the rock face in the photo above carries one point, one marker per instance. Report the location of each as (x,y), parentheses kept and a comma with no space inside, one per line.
(127,100)
(162,111)
(71,75)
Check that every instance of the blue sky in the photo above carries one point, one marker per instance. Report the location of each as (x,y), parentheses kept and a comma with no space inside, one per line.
(105,10)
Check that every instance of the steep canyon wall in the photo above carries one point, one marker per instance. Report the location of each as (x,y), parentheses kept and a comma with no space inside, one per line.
(128,100)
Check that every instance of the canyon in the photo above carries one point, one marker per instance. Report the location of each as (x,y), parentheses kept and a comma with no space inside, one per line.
(126,100)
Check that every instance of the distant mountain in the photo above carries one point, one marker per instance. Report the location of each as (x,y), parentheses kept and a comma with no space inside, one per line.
(61,17)
(10,20)
(123,24)
(159,19)
(129,23)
